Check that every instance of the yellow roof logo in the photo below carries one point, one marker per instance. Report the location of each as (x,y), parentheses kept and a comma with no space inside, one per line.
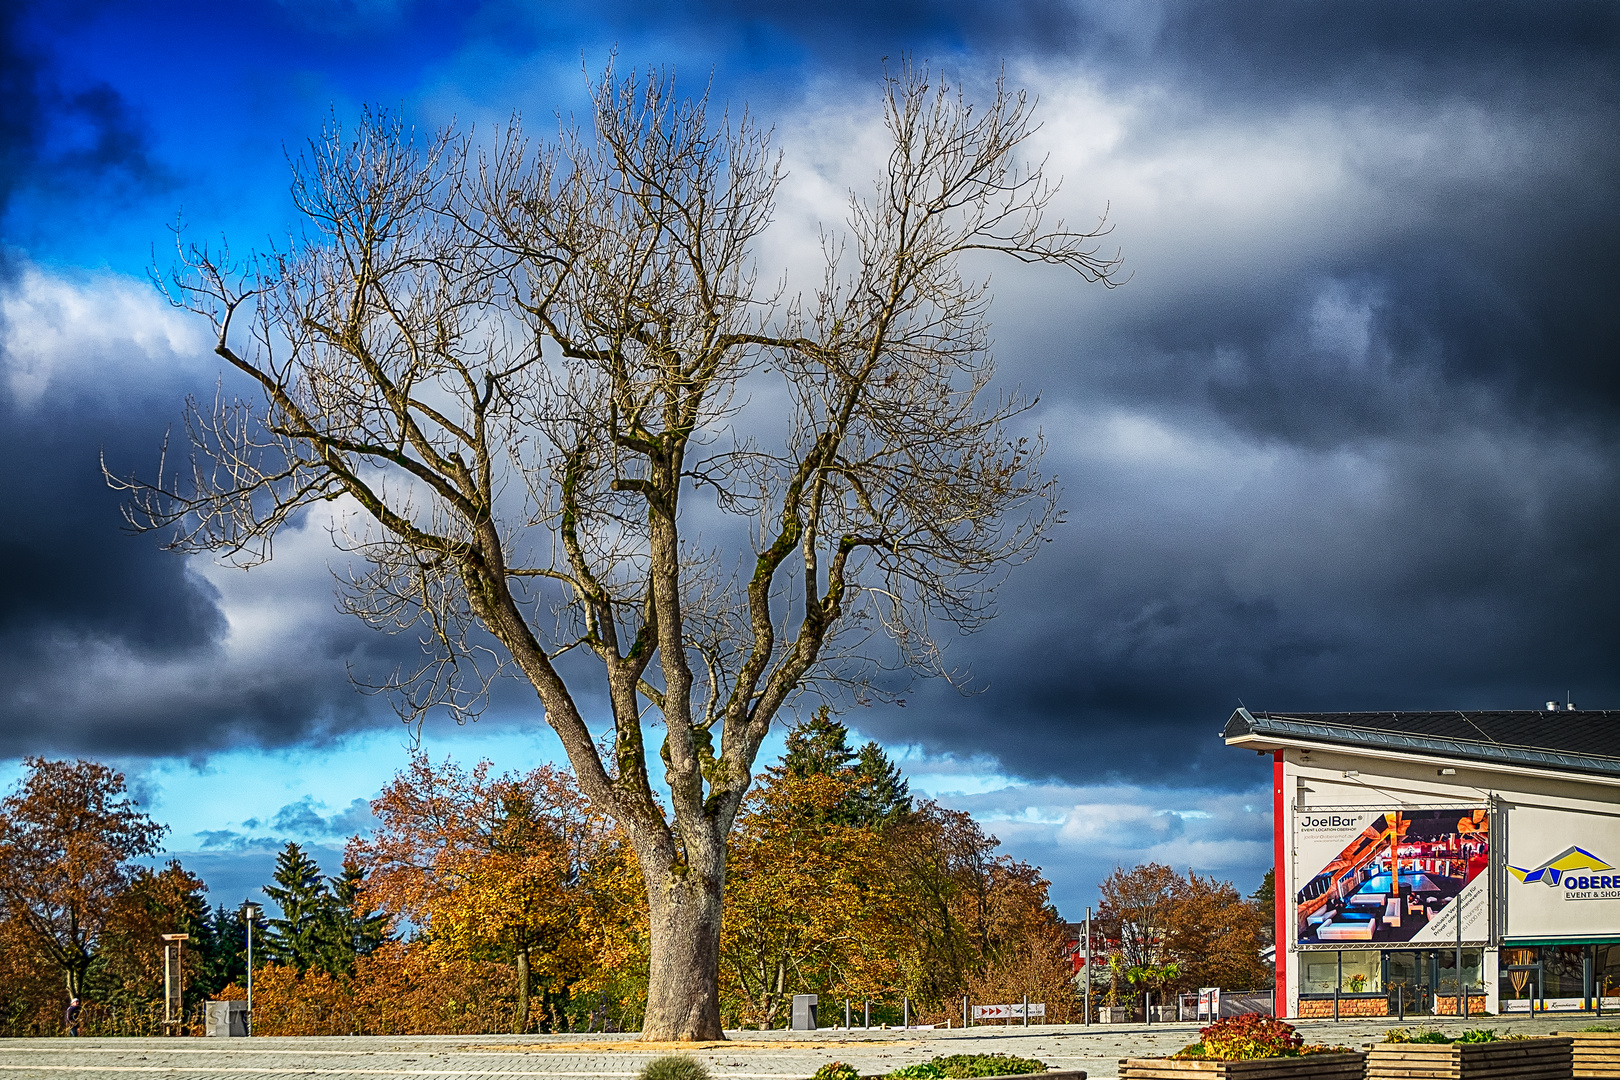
(1572,860)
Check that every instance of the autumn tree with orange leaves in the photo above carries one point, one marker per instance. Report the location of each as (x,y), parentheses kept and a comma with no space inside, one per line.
(1151,916)
(510,868)
(69,836)
(976,922)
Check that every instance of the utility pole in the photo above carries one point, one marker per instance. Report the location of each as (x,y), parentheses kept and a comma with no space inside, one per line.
(1088,967)
(1462,992)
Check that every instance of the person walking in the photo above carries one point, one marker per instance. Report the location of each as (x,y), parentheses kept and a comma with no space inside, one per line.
(73,1018)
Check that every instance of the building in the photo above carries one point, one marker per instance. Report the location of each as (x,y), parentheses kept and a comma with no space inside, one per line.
(1406,839)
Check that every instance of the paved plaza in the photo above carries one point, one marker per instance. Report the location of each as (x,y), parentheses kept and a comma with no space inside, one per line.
(750,1055)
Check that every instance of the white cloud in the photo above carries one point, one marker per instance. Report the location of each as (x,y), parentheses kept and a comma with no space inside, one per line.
(92,334)
(1078,834)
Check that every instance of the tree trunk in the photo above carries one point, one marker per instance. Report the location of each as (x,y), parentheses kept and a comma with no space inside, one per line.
(75,979)
(520,1025)
(683,988)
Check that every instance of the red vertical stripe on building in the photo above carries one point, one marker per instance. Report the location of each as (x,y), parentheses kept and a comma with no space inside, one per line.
(1279,877)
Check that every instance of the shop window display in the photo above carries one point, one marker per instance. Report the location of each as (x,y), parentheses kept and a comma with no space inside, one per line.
(1564,973)
(1361,973)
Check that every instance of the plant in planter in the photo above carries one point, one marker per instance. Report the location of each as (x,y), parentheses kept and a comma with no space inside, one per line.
(1413,1054)
(1249,1046)
(958,1066)
(836,1070)
(1358,983)
(965,1066)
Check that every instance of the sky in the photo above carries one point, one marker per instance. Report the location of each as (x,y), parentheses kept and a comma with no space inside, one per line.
(1345,440)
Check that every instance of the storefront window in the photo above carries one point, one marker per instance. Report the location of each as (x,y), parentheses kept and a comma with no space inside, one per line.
(1416,980)
(1322,972)
(1564,971)
(1448,970)
(1516,983)
(1607,970)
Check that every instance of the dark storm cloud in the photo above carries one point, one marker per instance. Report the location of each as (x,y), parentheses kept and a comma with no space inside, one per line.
(1362,456)
(1281,49)
(1379,470)
(108,644)
(70,571)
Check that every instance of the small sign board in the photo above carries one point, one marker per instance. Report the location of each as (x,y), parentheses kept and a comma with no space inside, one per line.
(173,979)
(1014,1011)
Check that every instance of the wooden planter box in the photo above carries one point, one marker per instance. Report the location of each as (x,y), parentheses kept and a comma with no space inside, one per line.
(1516,1059)
(1310,1067)
(1596,1053)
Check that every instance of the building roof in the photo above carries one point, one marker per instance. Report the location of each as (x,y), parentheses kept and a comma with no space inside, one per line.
(1583,741)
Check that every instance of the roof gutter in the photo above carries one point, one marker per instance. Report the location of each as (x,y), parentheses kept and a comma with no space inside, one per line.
(1266,741)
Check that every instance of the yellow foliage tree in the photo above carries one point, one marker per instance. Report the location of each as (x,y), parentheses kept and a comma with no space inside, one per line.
(809,906)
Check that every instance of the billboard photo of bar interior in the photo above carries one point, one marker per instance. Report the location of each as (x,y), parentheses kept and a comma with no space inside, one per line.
(1395,877)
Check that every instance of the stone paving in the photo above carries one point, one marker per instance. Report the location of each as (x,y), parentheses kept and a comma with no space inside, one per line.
(749,1055)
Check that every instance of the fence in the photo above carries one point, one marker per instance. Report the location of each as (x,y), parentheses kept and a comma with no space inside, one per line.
(143,1019)
(1233,1003)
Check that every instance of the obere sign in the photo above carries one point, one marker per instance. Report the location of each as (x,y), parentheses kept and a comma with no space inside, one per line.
(1563,873)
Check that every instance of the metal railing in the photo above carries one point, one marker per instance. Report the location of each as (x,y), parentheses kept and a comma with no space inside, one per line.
(1232,1003)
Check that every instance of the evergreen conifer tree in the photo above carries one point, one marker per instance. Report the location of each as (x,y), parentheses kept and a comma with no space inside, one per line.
(885,797)
(227,963)
(357,931)
(819,746)
(304,935)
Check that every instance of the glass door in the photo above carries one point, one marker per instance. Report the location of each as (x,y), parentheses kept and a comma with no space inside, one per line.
(1409,982)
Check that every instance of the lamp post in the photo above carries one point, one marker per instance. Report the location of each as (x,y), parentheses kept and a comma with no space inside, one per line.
(250,913)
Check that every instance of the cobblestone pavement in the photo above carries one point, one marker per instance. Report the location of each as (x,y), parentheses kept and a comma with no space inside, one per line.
(749,1055)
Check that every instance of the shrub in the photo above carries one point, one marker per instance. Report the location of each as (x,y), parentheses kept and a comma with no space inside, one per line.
(925,1071)
(674,1067)
(970,1065)
(836,1070)
(1435,1035)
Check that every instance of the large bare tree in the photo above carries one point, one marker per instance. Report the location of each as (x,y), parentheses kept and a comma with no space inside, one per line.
(537,379)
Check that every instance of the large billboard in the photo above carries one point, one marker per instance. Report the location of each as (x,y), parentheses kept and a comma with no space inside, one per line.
(1391,876)
(1563,874)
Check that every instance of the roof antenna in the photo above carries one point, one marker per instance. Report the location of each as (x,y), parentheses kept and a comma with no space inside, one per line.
(1569,704)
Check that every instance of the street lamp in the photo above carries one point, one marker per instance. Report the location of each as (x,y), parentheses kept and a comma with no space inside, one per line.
(250,914)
